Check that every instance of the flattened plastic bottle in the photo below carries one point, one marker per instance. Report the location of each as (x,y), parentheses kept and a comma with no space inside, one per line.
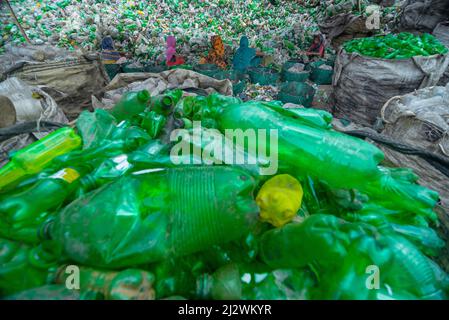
(411,271)
(36,156)
(343,252)
(223,284)
(155,214)
(402,270)
(153,123)
(425,238)
(180,277)
(184,107)
(21,213)
(189,277)
(122,139)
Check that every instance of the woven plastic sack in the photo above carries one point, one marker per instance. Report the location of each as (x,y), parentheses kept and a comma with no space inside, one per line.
(441,32)
(423,15)
(420,119)
(71,83)
(364,84)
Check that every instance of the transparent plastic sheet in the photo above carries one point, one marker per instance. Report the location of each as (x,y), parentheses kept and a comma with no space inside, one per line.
(95,127)
(151,216)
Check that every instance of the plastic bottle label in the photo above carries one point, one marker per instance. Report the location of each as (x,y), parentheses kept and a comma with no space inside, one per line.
(68,175)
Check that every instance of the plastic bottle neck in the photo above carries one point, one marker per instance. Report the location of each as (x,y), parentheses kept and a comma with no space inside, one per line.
(88,182)
(143,96)
(44,232)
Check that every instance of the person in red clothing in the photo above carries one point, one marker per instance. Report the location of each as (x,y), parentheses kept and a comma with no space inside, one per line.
(317,48)
(171,58)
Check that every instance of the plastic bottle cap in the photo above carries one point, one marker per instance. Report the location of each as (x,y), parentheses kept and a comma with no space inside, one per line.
(167,101)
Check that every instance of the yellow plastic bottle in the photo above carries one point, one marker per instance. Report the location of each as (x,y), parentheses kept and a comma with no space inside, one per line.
(34,157)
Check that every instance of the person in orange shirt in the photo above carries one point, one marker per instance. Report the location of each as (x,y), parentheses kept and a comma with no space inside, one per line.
(216,53)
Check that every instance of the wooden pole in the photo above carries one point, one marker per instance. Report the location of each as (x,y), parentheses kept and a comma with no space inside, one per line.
(17,21)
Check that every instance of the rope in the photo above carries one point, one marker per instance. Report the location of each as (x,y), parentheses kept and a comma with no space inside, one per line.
(28,127)
(437,161)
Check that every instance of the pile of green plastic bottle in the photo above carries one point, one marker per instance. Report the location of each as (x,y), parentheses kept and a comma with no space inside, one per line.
(140,203)
(396,46)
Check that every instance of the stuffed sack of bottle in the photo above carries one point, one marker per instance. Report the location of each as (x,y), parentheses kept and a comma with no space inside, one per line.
(155,214)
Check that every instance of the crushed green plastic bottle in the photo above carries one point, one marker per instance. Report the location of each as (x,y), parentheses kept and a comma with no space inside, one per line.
(326,154)
(325,241)
(23,267)
(150,216)
(22,212)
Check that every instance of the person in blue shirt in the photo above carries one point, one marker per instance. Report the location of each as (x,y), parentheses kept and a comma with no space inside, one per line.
(243,55)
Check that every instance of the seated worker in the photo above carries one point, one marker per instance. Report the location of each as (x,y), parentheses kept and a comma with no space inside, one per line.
(216,53)
(108,53)
(317,48)
(244,55)
(171,59)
